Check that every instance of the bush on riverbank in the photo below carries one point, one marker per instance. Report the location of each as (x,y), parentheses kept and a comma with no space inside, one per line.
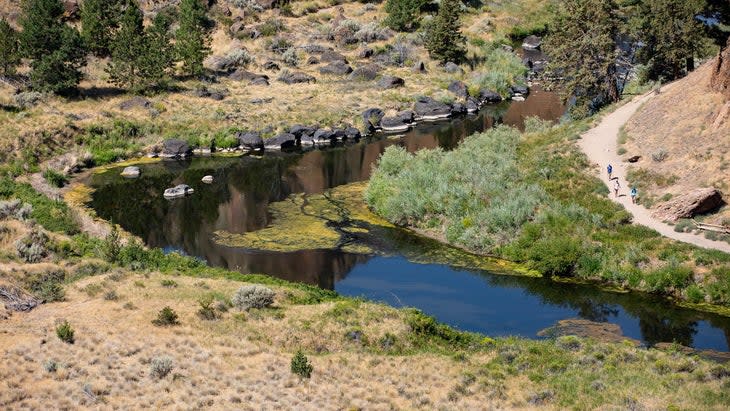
(530,198)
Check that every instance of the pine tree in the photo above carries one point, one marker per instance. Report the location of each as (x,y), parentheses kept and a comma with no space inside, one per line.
(672,36)
(158,58)
(128,49)
(56,50)
(99,21)
(403,15)
(581,44)
(192,37)
(444,41)
(9,56)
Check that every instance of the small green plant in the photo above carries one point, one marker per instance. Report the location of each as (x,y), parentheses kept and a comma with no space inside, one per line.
(111,296)
(50,366)
(207,311)
(65,332)
(55,178)
(167,283)
(300,365)
(166,317)
(112,245)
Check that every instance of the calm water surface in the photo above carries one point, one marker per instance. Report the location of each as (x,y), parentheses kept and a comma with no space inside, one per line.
(472,300)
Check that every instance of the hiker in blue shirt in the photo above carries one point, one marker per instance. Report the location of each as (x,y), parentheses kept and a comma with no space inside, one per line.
(633,195)
(610,170)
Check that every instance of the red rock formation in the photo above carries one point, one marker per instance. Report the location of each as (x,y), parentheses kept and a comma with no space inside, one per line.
(720,81)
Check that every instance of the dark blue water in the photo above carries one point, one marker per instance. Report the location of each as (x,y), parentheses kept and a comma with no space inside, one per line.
(501,305)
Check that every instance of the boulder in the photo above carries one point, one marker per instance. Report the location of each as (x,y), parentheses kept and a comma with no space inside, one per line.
(366,53)
(250,140)
(489,97)
(472,105)
(315,48)
(634,159)
(324,136)
(371,118)
(268,4)
(296,77)
(259,81)
(175,148)
(519,90)
(338,68)
(307,140)
(312,60)
(458,108)
(453,68)
(131,172)
(270,65)
(236,28)
(398,123)
(459,89)
(180,190)
(366,72)
(207,179)
(299,131)
(244,75)
(329,56)
(419,67)
(430,109)
(351,133)
(281,142)
(531,43)
(699,201)
(135,102)
(388,82)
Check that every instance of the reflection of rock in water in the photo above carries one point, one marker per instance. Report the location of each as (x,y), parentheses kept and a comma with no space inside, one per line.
(607,332)
(316,267)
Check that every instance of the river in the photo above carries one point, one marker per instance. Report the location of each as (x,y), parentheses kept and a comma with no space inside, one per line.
(468,298)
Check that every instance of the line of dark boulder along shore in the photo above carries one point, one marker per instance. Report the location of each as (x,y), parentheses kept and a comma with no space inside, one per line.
(425,109)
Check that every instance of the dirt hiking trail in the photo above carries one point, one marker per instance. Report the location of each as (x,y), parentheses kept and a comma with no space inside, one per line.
(600,145)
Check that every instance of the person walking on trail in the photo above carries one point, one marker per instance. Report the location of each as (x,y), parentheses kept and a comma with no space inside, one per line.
(610,170)
(633,195)
(616,187)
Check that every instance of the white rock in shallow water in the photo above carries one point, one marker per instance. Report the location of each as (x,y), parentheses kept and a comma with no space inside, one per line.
(207,179)
(180,190)
(131,172)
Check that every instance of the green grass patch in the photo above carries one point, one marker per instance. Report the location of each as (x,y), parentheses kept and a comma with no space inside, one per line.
(52,215)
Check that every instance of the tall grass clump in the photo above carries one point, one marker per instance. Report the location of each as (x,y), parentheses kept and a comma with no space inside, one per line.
(500,69)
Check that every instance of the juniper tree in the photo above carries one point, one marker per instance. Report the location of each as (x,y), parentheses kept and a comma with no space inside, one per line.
(444,40)
(158,57)
(56,50)
(99,21)
(192,37)
(127,50)
(9,56)
(581,44)
(403,15)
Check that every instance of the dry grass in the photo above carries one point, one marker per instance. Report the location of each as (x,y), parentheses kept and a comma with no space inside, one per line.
(683,122)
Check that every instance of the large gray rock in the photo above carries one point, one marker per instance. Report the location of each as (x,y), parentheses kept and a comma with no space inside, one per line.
(489,97)
(339,68)
(459,89)
(699,201)
(388,82)
(371,118)
(131,172)
(244,75)
(398,123)
(351,133)
(531,43)
(175,148)
(453,68)
(329,56)
(518,90)
(270,65)
(299,131)
(366,72)
(296,77)
(250,140)
(135,102)
(324,136)
(472,105)
(430,109)
(180,190)
(281,142)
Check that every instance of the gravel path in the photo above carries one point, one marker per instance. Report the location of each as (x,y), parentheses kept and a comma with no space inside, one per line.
(600,145)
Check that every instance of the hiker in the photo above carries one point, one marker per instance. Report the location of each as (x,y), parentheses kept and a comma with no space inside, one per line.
(610,170)
(633,195)
(616,186)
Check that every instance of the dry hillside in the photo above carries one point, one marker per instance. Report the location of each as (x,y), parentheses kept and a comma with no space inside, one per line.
(683,138)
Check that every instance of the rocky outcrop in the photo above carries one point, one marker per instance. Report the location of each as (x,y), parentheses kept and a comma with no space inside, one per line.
(453,68)
(300,131)
(427,108)
(366,72)
(329,56)
(351,133)
(270,65)
(296,77)
(250,140)
(531,43)
(282,141)
(700,201)
(488,97)
(135,102)
(398,123)
(458,88)
(175,148)
(244,75)
(720,80)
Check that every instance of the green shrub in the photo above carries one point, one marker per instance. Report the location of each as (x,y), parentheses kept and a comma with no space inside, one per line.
(253,296)
(47,285)
(65,332)
(300,365)
(166,317)
(694,294)
(33,247)
(167,283)
(206,311)
(112,245)
(55,178)
(52,215)
(160,367)
(555,256)
(669,277)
